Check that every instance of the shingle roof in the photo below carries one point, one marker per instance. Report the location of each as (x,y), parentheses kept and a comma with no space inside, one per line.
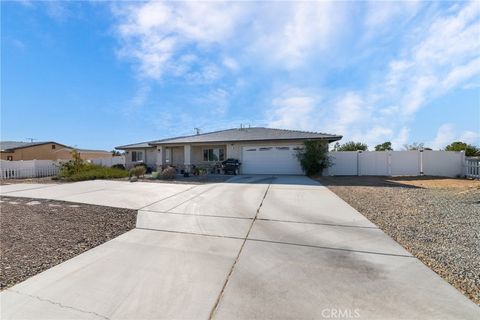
(249,134)
(12,145)
(139,145)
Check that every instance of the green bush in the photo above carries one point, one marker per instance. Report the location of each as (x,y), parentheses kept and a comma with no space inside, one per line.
(314,157)
(98,172)
(119,166)
(155,175)
(138,171)
(79,170)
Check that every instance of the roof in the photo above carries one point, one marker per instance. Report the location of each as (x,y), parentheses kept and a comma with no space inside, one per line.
(92,150)
(249,134)
(7,146)
(139,145)
(12,145)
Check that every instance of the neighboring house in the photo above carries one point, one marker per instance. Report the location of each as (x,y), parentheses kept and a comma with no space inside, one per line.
(49,150)
(260,150)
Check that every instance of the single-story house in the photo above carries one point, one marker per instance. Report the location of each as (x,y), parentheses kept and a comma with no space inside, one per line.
(47,150)
(260,150)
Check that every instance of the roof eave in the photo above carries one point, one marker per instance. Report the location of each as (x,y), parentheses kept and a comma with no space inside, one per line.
(329,139)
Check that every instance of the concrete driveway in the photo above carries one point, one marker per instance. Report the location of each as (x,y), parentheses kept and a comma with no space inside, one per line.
(254,248)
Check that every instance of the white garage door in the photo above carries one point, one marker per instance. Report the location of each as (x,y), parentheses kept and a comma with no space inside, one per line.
(270,160)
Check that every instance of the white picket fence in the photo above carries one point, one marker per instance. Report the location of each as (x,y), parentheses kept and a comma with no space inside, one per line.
(43,168)
(28,169)
(108,162)
(472,168)
(398,163)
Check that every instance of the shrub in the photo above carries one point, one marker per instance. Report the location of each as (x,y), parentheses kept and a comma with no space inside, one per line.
(155,174)
(138,171)
(350,146)
(98,172)
(147,169)
(73,166)
(168,173)
(314,157)
(119,166)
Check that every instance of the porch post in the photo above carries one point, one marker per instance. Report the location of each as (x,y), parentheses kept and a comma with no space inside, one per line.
(187,150)
(159,162)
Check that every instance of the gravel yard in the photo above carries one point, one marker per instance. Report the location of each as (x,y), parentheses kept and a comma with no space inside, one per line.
(38,234)
(437,220)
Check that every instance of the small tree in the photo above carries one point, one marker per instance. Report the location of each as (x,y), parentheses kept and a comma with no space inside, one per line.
(336,146)
(314,157)
(352,146)
(75,165)
(470,151)
(414,146)
(386,146)
(116,153)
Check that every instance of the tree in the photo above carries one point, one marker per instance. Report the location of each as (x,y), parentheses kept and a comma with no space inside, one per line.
(413,146)
(386,146)
(336,146)
(116,153)
(314,157)
(470,151)
(352,146)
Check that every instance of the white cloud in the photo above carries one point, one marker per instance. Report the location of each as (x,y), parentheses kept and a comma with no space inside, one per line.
(154,33)
(447,134)
(293,109)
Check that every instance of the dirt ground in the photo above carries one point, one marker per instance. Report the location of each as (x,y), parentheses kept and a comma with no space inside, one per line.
(436,219)
(39,234)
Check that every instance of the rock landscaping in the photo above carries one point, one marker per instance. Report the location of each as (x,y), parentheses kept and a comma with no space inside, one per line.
(437,220)
(39,234)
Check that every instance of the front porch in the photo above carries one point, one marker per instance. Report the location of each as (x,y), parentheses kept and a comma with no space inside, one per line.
(205,158)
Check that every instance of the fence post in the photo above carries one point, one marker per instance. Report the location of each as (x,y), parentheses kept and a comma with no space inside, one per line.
(421,161)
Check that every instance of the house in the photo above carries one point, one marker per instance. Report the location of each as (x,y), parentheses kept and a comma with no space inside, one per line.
(47,150)
(260,150)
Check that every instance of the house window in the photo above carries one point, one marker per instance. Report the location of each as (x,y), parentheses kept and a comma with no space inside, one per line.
(53,146)
(214,154)
(265,148)
(283,148)
(137,156)
(9,158)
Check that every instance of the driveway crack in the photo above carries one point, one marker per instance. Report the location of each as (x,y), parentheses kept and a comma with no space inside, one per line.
(220,296)
(59,304)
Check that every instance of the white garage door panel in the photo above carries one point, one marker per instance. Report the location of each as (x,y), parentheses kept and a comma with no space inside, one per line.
(270,160)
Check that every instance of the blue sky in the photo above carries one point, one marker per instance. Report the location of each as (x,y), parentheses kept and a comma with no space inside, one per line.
(102,74)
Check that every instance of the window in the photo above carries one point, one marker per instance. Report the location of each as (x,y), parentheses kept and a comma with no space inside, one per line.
(251,150)
(214,154)
(137,156)
(53,146)
(265,148)
(283,148)
(9,158)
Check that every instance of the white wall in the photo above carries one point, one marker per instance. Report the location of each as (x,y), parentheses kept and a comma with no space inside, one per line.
(398,163)
(108,162)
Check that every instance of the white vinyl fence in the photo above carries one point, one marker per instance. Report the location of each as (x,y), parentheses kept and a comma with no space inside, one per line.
(44,168)
(398,163)
(28,169)
(108,162)
(472,168)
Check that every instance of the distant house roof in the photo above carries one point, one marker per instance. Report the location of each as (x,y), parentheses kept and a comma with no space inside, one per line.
(140,145)
(6,146)
(9,146)
(241,134)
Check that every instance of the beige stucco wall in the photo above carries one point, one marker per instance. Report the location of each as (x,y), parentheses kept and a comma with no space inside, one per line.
(149,157)
(45,152)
